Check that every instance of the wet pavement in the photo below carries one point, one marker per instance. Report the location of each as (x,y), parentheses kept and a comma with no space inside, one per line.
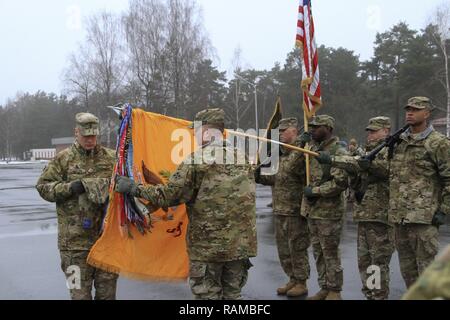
(30,264)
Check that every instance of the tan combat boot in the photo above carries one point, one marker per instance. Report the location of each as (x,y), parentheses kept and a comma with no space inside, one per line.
(283,290)
(321,295)
(298,290)
(334,295)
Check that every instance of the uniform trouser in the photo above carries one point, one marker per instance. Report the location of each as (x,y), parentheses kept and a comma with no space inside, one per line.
(292,237)
(81,277)
(417,246)
(325,239)
(375,249)
(218,280)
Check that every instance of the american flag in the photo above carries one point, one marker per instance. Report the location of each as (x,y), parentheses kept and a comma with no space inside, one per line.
(310,58)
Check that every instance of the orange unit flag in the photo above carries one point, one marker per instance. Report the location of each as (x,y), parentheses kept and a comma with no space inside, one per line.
(160,254)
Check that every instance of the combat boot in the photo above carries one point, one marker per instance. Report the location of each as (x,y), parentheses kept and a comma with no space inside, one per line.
(298,290)
(283,290)
(334,295)
(321,295)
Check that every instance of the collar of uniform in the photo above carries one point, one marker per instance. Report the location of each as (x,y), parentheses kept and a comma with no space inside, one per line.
(84,152)
(373,144)
(297,142)
(326,143)
(420,136)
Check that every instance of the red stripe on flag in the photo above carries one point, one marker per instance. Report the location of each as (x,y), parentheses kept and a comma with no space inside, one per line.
(310,58)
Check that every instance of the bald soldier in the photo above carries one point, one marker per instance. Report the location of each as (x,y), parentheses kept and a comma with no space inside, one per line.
(291,229)
(220,198)
(78,181)
(375,234)
(323,206)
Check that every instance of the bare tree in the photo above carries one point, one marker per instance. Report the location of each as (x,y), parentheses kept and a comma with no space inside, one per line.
(105,39)
(146,33)
(187,46)
(106,42)
(78,78)
(441,21)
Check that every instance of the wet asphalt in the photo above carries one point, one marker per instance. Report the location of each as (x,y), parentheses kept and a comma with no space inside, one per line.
(30,263)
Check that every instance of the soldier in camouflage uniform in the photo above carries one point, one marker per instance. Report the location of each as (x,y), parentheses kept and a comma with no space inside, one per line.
(354,149)
(375,233)
(78,181)
(434,283)
(323,206)
(291,229)
(220,197)
(419,190)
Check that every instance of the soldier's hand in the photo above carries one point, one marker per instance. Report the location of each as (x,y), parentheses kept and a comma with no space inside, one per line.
(310,196)
(77,188)
(324,158)
(364,164)
(125,185)
(305,138)
(438,219)
(309,193)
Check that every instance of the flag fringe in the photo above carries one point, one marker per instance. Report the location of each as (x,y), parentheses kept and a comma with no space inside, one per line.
(132,275)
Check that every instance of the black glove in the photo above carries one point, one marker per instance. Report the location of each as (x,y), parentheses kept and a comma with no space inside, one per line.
(77,188)
(310,196)
(305,138)
(324,158)
(308,192)
(125,185)
(364,164)
(438,219)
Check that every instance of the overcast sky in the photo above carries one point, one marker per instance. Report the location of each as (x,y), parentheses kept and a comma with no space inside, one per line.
(37,36)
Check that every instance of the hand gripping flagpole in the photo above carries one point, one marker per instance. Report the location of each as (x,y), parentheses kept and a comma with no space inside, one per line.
(307,157)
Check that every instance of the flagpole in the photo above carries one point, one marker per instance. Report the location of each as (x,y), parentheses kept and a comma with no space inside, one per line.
(307,158)
(307,152)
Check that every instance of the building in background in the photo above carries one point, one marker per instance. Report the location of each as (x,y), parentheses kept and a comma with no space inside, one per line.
(62,143)
(40,154)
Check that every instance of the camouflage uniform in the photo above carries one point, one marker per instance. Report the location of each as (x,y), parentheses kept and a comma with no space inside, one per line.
(434,283)
(220,199)
(325,214)
(375,234)
(354,149)
(80,216)
(419,187)
(291,229)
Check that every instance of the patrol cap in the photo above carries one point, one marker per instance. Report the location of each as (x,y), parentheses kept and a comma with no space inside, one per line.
(88,124)
(288,123)
(379,123)
(322,120)
(419,103)
(210,116)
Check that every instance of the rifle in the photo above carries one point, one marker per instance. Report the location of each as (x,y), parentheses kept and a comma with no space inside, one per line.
(389,142)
